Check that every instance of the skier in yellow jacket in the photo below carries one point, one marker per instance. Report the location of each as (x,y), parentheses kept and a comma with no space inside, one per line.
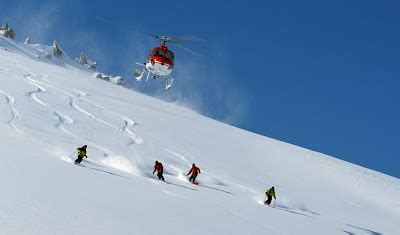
(81,154)
(270,193)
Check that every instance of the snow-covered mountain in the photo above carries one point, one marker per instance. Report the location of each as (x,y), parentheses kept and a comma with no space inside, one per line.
(50,106)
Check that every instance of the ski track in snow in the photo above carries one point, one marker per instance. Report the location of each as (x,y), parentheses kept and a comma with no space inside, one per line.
(125,129)
(73,104)
(208,179)
(64,119)
(180,168)
(180,156)
(15,115)
(32,95)
(39,89)
(257,196)
(128,123)
(81,106)
(73,101)
(15,62)
(3,69)
(173,194)
(9,59)
(103,170)
(21,66)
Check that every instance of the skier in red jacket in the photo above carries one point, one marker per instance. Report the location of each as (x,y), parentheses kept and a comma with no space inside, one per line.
(159,168)
(194,171)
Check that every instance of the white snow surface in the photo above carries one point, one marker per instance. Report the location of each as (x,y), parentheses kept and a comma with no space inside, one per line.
(49,107)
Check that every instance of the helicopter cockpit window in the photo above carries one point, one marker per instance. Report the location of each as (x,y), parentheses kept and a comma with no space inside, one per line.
(159,52)
(169,55)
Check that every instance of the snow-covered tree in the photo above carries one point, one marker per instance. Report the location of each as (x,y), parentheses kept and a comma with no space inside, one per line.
(87,63)
(57,52)
(7,32)
(4,27)
(82,59)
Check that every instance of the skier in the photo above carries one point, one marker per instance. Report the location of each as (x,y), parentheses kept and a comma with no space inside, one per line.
(270,193)
(159,168)
(195,171)
(81,154)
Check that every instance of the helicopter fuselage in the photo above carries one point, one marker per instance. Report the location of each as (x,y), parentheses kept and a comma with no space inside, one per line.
(160,61)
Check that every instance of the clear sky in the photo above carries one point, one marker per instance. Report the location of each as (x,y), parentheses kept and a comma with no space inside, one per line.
(322,75)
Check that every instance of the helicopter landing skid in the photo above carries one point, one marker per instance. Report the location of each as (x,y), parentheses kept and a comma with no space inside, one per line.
(139,75)
(168,82)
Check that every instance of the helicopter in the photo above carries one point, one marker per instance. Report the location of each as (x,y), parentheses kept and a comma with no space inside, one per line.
(160,61)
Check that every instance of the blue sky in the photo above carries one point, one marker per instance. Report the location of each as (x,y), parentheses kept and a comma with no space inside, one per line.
(322,75)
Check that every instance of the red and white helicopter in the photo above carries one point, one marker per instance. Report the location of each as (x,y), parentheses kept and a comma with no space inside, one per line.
(160,61)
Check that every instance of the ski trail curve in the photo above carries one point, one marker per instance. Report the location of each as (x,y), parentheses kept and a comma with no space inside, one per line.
(180,156)
(32,95)
(63,118)
(134,138)
(73,100)
(73,104)
(39,89)
(15,115)
(128,123)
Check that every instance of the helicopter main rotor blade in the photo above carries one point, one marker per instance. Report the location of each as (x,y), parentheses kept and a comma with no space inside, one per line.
(164,39)
(128,27)
(102,19)
(150,34)
(187,38)
(188,50)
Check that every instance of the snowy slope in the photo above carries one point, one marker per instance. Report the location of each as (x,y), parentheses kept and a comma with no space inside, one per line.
(49,107)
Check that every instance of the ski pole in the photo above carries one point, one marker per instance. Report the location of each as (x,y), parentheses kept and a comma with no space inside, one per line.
(71,154)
